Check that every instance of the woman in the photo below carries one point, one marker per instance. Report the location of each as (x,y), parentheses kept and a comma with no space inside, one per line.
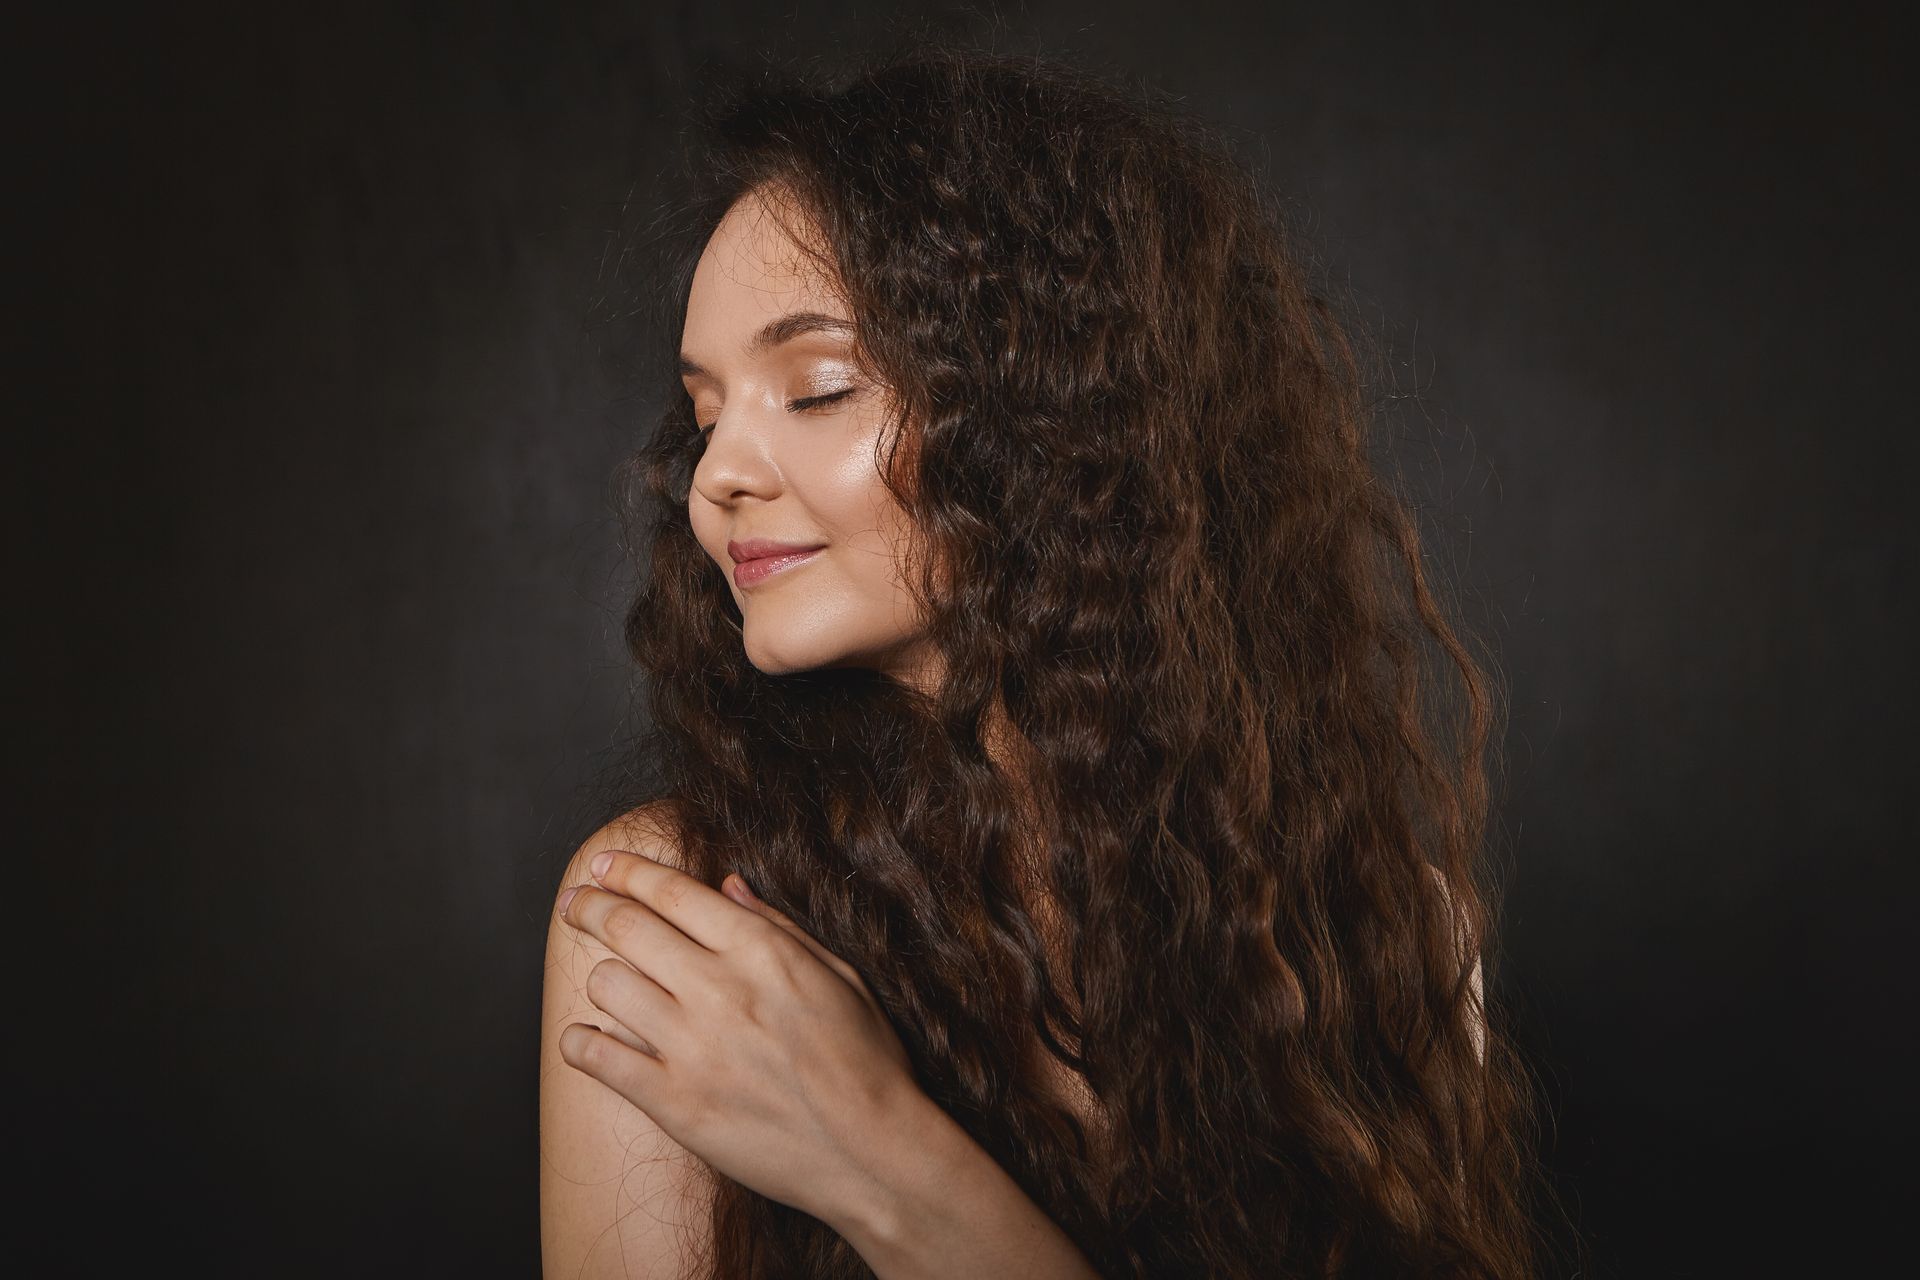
(1056,860)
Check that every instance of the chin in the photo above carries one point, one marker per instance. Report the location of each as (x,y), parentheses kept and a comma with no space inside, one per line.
(778,663)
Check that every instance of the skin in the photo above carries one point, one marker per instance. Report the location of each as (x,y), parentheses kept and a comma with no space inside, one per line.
(769,1053)
(720,1032)
(766,1056)
(776,466)
(779,465)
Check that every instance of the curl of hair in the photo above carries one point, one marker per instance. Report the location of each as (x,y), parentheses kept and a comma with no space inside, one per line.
(1133,439)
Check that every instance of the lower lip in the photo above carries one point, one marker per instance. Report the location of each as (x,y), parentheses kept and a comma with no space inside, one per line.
(748,572)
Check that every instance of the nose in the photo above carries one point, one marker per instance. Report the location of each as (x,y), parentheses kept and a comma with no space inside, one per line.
(737,460)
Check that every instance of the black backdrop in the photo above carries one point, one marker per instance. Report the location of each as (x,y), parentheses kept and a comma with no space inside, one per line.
(322,592)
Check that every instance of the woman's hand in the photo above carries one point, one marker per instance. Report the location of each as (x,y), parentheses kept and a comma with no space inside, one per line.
(774,1062)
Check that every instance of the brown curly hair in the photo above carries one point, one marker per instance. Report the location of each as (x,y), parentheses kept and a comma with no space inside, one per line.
(1134,439)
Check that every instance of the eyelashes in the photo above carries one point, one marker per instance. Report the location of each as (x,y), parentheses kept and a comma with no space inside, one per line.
(814,402)
(802,405)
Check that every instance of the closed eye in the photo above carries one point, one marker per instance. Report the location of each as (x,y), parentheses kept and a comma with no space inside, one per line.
(814,402)
(801,405)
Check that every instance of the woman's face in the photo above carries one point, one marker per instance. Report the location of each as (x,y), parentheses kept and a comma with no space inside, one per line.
(790,457)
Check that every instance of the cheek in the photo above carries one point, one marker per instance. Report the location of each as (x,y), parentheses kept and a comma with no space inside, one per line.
(875,533)
(841,487)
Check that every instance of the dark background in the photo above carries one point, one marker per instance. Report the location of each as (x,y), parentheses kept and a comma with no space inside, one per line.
(322,583)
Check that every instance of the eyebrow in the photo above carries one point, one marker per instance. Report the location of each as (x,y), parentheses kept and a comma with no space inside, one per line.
(776,331)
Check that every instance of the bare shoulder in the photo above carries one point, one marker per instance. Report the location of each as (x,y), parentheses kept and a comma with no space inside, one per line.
(618,1197)
(647,829)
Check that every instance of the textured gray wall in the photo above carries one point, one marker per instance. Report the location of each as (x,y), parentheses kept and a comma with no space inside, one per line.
(321,637)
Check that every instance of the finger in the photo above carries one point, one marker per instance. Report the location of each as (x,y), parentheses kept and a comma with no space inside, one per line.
(634,1002)
(636,933)
(737,888)
(694,909)
(625,1035)
(630,1073)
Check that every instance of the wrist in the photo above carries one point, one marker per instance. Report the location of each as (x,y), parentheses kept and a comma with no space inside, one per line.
(936,1206)
(911,1149)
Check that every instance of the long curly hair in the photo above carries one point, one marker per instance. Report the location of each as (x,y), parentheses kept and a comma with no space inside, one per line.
(1133,442)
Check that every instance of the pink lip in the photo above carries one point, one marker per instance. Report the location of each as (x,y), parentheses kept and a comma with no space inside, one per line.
(755,548)
(759,568)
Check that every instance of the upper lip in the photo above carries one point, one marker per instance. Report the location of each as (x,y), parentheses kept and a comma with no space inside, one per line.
(760,548)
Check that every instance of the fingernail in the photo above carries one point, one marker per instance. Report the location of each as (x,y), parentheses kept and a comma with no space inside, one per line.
(567,897)
(601,861)
(737,889)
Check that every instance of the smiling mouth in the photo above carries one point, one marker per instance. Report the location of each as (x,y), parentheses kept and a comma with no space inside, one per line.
(760,568)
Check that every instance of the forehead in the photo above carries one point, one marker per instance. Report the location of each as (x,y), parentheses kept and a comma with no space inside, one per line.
(755,266)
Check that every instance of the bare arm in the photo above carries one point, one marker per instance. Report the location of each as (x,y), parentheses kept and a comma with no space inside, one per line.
(618,1197)
(949,1211)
